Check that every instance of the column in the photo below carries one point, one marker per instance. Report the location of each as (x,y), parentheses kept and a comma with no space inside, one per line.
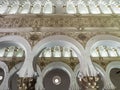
(26,83)
(89,82)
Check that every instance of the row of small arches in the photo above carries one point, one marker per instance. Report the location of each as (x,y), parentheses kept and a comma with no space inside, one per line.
(49,8)
(58,51)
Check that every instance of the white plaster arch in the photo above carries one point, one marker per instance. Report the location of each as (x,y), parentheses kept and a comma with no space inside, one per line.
(13,70)
(39,84)
(62,66)
(3,66)
(112,65)
(86,66)
(17,67)
(108,85)
(107,82)
(23,43)
(108,40)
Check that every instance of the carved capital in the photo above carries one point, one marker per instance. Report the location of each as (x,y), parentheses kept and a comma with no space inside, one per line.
(89,82)
(26,83)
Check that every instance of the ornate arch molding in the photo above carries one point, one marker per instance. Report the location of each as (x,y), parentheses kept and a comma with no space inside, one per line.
(3,86)
(107,83)
(86,67)
(110,66)
(39,84)
(108,40)
(13,70)
(23,43)
(62,66)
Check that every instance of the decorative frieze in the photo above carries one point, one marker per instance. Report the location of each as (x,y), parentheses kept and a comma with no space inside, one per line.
(58,23)
(12,21)
(37,22)
(81,36)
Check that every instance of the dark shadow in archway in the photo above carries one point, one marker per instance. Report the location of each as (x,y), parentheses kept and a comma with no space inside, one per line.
(48,80)
(100,83)
(115,77)
(1,75)
(12,83)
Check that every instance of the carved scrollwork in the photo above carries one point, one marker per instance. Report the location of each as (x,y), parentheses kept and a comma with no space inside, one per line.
(58,21)
(26,83)
(89,82)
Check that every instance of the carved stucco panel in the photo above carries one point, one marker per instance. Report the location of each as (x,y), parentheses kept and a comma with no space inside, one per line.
(59,21)
(34,37)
